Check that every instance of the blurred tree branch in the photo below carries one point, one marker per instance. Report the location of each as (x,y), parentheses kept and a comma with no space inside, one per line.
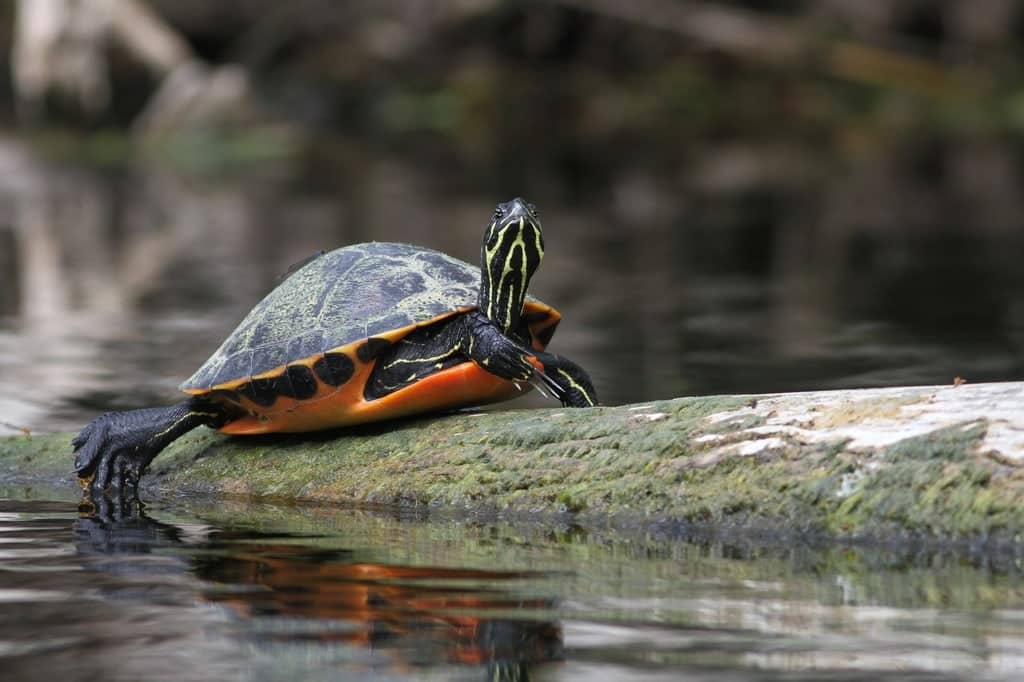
(62,46)
(731,30)
(57,48)
(758,36)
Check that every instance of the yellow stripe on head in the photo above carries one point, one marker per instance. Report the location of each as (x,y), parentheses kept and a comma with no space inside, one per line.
(513,248)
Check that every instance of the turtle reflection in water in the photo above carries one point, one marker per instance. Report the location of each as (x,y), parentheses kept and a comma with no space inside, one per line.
(363,333)
(409,619)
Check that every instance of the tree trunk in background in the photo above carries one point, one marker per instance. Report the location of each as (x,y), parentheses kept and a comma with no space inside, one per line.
(62,46)
(58,47)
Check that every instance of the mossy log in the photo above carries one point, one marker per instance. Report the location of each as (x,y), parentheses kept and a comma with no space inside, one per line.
(933,461)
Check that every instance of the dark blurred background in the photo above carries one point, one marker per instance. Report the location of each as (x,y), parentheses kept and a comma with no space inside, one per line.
(737,196)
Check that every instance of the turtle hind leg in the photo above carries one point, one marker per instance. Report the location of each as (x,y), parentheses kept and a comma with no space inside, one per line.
(115,448)
(575,389)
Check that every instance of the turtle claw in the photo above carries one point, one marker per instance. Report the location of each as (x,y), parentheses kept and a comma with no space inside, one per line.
(114,449)
(519,370)
(86,447)
(110,473)
(545,385)
(514,366)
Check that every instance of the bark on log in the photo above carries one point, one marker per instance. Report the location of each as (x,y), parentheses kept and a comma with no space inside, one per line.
(936,461)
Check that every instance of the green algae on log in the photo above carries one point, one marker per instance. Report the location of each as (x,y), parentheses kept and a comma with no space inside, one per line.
(945,461)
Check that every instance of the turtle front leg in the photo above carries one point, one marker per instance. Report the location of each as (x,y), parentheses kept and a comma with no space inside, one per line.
(485,345)
(482,341)
(115,448)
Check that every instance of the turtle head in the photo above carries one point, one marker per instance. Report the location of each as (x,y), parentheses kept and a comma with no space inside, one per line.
(512,250)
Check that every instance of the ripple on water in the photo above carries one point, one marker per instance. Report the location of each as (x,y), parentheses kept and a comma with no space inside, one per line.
(232,590)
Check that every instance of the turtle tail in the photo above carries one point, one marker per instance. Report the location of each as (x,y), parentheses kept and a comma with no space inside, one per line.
(115,448)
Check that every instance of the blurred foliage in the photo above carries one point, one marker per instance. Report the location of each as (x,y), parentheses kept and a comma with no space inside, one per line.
(658,71)
(483,88)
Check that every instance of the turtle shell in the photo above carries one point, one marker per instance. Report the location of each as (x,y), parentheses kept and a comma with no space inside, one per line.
(323,327)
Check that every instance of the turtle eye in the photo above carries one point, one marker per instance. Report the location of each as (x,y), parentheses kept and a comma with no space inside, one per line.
(533,210)
(498,213)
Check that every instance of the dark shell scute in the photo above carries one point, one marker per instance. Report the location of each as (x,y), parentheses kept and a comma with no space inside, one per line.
(263,392)
(301,384)
(334,369)
(371,349)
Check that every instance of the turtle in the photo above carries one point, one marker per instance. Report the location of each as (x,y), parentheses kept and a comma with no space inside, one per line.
(363,333)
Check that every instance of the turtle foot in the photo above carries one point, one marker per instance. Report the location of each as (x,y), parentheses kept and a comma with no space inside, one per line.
(504,357)
(500,355)
(114,449)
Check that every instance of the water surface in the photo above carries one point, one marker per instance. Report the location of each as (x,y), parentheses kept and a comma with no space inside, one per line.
(202,589)
(117,283)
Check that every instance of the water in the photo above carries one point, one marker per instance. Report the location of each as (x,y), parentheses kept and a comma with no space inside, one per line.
(198,589)
(116,283)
